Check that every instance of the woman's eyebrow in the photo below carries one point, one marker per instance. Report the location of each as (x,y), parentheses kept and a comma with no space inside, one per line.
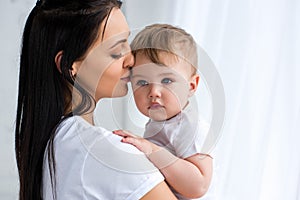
(121,41)
(118,42)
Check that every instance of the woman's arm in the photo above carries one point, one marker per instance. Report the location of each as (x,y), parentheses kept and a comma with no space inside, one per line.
(190,177)
(161,191)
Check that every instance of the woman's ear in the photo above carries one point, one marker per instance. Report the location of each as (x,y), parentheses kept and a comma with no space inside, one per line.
(75,68)
(194,81)
(75,65)
(58,60)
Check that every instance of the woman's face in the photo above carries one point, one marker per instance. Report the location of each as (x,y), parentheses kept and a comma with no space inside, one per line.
(105,70)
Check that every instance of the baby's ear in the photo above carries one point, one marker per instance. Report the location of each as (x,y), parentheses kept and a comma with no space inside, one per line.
(194,81)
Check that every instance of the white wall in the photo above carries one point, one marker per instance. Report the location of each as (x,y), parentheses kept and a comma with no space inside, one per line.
(12,18)
(255,46)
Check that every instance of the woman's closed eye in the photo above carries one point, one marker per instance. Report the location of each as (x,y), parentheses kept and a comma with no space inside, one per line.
(121,50)
(116,56)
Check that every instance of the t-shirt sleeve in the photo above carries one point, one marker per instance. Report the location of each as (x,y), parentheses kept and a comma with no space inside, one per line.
(190,138)
(115,170)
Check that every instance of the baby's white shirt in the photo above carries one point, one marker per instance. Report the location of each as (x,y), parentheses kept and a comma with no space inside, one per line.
(183,135)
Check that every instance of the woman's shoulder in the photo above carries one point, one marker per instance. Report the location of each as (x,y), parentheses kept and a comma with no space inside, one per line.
(95,158)
(75,127)
(101,144)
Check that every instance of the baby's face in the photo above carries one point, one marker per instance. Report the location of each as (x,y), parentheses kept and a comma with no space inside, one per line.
(162,91)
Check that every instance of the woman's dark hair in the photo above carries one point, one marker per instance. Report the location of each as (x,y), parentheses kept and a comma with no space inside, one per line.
(45,93)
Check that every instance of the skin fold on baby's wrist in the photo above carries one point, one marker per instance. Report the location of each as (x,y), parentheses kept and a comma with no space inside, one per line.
(161,157)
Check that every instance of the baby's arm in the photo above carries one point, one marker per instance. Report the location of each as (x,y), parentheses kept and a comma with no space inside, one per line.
(189,177)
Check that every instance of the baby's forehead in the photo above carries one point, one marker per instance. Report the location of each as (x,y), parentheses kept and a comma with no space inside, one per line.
(158,58)
(162,58)
(151,67)
(153,70)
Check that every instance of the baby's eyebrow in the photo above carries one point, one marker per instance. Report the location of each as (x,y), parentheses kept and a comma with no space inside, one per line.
(136,76)
(141,76)
(167,74)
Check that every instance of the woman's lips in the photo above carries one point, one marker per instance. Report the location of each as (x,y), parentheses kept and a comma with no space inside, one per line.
(126,79)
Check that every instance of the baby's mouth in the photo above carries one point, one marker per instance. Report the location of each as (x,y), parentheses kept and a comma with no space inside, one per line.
(155,106)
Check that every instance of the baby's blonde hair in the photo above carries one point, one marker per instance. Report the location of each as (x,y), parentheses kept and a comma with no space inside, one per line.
(157,38)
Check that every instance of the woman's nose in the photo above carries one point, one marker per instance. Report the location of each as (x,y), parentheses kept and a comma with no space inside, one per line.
(155,90)
(129,60)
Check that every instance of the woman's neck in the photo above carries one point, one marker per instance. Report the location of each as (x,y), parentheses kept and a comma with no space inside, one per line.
(74,101)
(89,118)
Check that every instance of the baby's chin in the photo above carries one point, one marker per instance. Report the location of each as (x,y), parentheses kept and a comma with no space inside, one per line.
(159,117)
(158,114)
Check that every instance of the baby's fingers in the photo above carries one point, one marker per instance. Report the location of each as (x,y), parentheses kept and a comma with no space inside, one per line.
(133,141)
(123,133)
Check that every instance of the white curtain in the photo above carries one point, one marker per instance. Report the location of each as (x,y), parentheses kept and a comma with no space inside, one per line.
(255,45)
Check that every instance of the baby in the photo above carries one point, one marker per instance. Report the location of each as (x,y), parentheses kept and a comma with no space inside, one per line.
(163,79)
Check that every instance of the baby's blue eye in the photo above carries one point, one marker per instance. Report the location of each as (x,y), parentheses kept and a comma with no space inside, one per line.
(142,83)
(166,81)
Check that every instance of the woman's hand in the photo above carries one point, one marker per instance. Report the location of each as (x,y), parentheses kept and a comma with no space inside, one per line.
(140,143)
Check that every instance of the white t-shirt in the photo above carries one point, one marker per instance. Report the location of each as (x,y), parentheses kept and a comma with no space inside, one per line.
(183,135)
(93,163)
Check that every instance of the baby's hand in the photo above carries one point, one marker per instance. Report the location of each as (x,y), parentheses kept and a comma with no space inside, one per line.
(140,143)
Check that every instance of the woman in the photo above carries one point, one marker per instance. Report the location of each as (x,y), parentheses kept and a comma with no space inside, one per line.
(74,53)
